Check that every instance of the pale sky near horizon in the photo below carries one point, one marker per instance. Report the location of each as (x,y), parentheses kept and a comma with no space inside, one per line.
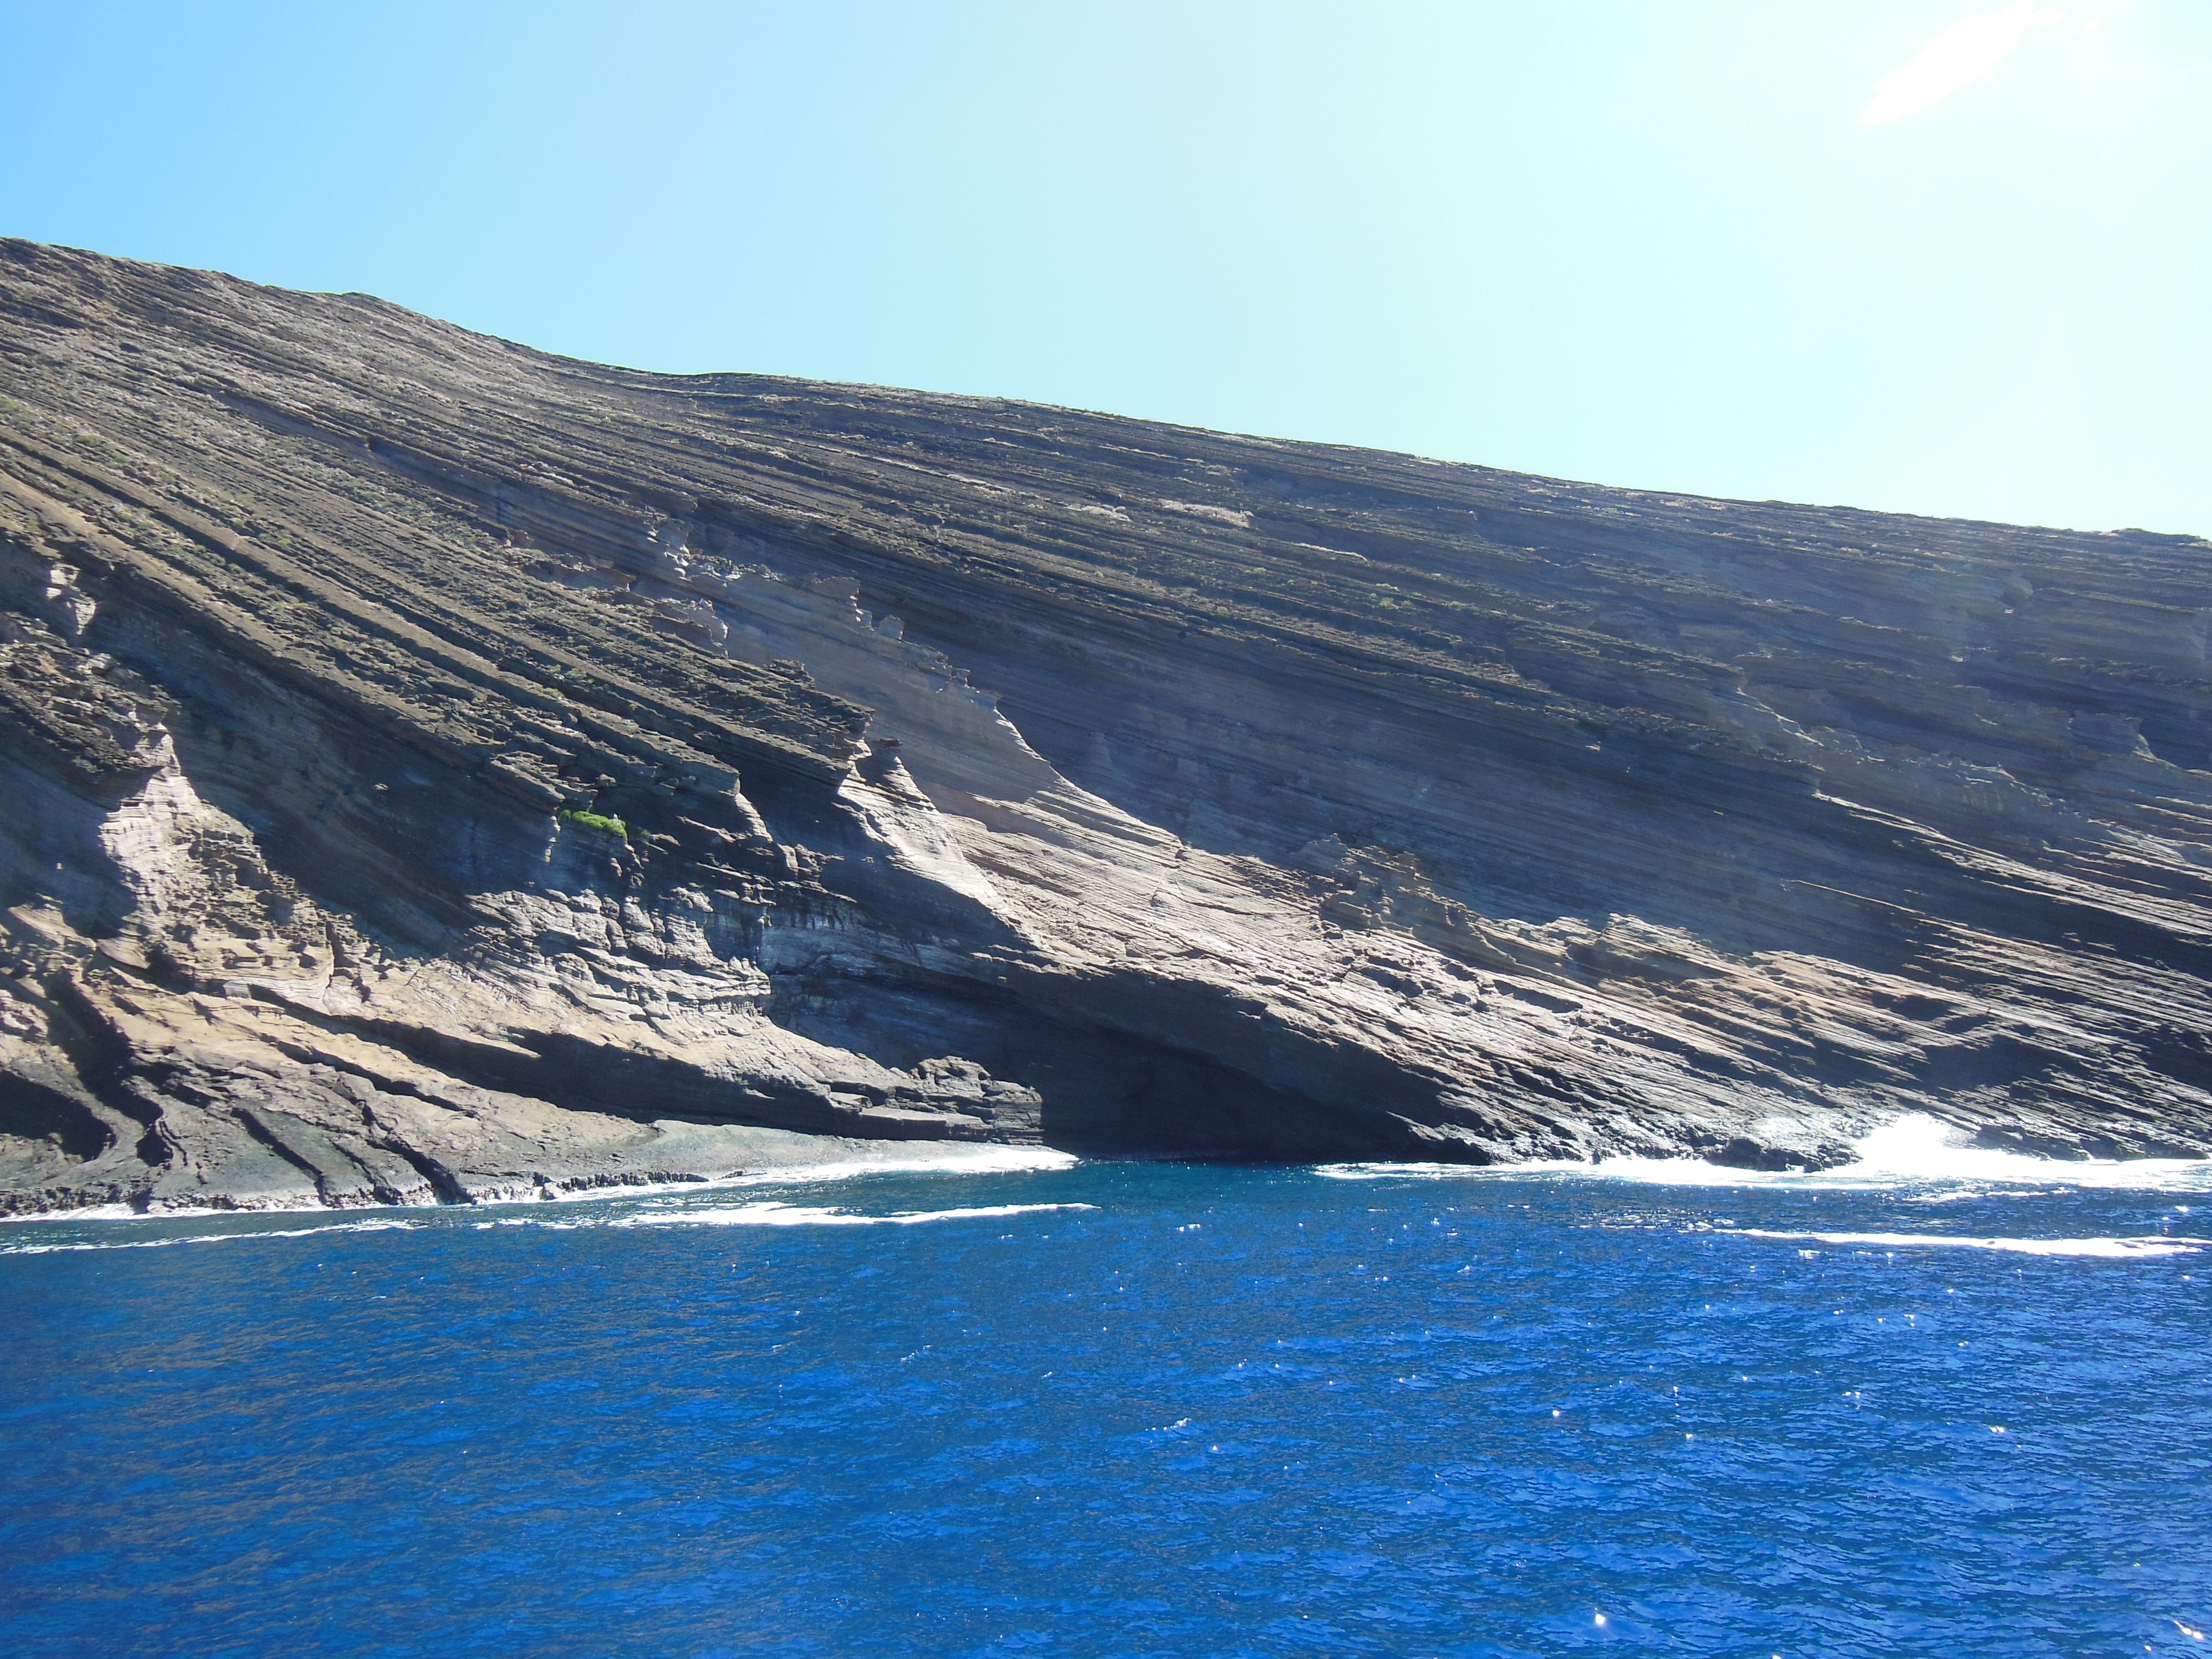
(1950,257)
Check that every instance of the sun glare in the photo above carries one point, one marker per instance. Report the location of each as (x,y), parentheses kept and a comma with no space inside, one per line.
(1967,51)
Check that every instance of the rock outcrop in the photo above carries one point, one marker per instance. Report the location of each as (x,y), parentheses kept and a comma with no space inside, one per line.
(437,770)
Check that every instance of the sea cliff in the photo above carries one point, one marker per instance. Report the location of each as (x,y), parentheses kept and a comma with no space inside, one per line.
(437,770)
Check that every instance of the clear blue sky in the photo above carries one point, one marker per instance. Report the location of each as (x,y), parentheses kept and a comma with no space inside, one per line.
(1944,256)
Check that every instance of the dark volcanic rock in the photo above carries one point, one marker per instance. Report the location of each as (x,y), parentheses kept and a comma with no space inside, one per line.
(437,769)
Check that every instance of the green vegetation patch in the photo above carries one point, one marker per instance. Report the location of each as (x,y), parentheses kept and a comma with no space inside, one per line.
(599,821)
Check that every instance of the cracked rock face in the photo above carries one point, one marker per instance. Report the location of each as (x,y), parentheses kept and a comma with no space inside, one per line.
(438,771)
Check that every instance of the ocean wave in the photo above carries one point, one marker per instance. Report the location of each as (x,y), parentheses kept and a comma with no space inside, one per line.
(379,1225)
(775,1214)
(179,1212)
(952,1160)
(1913,1149)
(767,1213)
(2154,1244)
(949,1160)
(946,1160)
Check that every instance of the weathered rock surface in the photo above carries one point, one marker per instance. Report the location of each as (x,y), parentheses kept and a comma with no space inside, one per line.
(437,770)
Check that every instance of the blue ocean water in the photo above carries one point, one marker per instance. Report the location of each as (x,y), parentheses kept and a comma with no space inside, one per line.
(1122,1409)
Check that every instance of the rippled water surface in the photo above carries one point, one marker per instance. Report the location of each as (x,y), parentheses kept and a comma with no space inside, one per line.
(1126,1409)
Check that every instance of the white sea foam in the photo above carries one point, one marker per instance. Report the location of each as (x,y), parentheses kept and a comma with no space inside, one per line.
(950,1160)
(177,1213)
(768,1214)
(1918,1148)
(940,1160)
(944,1160)
(2108,1248)
(374,1227)
(772,1214)
(1914,1149)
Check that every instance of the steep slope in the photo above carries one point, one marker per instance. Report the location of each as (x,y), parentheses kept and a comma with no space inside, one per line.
(437,770)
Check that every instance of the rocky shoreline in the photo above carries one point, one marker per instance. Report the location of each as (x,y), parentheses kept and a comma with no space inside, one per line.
(676,1157)
(437,769)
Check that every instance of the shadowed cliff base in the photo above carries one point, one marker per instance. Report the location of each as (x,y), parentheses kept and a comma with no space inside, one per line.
(439,771)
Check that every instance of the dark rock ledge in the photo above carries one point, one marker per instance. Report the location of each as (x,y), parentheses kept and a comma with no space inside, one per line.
(434,770)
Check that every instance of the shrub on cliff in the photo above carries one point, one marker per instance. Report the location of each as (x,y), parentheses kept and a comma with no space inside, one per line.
(599,821)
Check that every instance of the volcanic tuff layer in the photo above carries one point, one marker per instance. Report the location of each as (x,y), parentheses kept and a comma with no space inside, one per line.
(435,769)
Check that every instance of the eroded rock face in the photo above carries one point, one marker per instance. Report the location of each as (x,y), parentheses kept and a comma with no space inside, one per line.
(437,770)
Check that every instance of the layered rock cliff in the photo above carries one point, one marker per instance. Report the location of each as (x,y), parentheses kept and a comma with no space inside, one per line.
(433,770)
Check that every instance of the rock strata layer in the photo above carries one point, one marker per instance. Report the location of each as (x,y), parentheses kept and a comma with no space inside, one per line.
(435,770)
